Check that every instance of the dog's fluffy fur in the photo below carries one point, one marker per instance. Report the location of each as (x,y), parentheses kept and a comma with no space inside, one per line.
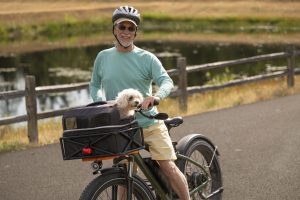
(127,102)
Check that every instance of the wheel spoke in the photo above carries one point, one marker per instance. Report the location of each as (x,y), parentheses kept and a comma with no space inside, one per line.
(114,187)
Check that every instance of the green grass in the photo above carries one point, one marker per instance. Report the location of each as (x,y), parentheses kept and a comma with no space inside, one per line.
(71,26)
(154,22)
(53,30)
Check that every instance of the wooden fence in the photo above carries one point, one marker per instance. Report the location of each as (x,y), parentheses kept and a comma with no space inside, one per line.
(31,91)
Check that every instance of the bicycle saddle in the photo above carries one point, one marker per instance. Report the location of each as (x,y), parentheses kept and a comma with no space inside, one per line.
(173,122)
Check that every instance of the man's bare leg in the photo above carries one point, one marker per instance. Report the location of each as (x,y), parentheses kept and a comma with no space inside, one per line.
(122,194)
(175,178)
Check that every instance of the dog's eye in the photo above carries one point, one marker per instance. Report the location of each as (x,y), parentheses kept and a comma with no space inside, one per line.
(130,98)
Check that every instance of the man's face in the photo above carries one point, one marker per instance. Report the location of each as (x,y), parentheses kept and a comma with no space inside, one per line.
(125,32)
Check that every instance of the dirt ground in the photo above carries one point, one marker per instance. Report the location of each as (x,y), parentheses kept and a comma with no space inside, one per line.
(32,11)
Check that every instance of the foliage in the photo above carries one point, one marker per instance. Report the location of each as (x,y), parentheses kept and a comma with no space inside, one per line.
(53,29)
(220,78)
(152,22)
(220,24)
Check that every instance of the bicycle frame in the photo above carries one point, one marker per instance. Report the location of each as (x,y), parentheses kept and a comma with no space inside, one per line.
(180,156)
(156,185)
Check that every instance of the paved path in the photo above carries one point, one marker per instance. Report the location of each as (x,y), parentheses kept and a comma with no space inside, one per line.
(259,145)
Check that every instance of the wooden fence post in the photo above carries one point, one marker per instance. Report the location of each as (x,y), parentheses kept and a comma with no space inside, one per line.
(291,66)
(31,107)
(182,83)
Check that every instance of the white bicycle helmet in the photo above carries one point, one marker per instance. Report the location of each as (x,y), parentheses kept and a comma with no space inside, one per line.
(126,13)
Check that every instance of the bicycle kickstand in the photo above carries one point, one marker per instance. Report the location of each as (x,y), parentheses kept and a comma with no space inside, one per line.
(220,190)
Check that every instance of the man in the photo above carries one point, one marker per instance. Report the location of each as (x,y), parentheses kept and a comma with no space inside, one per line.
(127,66)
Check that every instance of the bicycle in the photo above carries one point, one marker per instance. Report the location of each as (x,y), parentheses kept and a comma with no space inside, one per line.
(197,158)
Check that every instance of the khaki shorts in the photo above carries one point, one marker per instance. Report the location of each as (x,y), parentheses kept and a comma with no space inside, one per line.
(159,141)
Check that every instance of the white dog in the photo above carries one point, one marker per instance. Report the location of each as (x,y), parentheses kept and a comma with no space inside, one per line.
(127,102)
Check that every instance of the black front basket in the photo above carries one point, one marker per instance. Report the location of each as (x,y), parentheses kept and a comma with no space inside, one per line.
(101,141)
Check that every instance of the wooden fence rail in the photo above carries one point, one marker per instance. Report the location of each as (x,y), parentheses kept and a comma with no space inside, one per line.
(31,91)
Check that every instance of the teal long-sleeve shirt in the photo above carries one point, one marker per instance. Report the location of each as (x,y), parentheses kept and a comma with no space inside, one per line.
(115,71)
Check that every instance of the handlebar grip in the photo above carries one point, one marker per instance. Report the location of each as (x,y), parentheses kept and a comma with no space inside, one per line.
(156,102)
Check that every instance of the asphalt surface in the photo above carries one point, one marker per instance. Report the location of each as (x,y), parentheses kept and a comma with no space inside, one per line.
(259,145)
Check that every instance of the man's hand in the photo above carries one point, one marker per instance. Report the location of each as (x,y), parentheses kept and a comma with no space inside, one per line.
(149,101)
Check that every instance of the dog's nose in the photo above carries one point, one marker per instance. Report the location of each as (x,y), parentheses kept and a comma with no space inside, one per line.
(136,103)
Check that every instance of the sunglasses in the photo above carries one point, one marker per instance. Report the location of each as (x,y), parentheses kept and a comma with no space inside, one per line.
(129,28)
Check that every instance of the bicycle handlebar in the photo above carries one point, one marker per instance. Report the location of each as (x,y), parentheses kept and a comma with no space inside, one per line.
(159,116)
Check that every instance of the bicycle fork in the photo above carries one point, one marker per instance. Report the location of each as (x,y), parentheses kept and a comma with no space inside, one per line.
(219,190)
(129,169)
(130,177)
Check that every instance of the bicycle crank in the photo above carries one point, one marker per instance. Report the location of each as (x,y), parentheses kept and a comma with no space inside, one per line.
(220,190)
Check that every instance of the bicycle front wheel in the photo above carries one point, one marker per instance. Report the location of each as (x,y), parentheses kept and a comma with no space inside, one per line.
(203,153)
(107,186)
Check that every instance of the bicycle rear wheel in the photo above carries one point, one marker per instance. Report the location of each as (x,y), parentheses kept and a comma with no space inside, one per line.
(106,187)
(204,153)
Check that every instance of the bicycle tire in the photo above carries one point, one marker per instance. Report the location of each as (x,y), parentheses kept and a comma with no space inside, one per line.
(203,152)
(100,187)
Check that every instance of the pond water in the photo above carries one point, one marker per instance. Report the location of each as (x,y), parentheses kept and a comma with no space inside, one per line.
(73,65)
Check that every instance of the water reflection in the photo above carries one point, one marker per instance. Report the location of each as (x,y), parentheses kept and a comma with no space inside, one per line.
(73,65)
(16,106)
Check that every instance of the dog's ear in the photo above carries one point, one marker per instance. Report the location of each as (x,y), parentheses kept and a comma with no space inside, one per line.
(122,101)
(129,98)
